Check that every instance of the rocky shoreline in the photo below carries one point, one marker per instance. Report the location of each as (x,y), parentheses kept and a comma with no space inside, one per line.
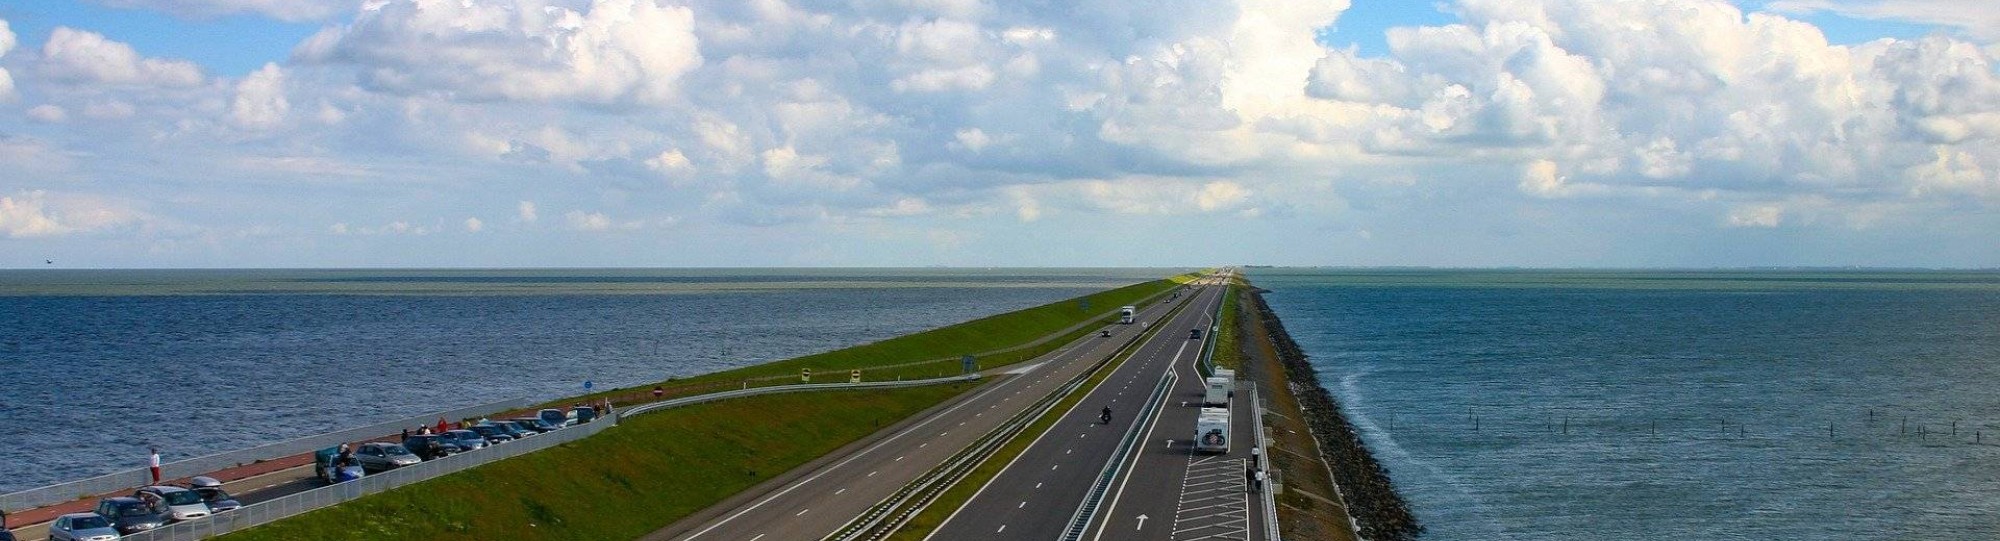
(1379,513)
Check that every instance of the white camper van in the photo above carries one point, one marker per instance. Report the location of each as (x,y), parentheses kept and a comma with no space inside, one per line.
(1211,431)
(1125,314)
(1219,390)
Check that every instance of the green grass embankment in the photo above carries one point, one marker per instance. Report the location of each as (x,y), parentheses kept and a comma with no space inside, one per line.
(624,483)
(996,340)
(1227,352)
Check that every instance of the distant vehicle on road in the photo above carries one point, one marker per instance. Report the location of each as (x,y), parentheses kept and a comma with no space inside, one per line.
(82,527)
(467,439)
(583,414)
(211,492)
(431,446)
(1219,391)
(1211,431)
(1104,333)
(132,515)
(1194,334)
(1125,314)
(381,456)
(182,503)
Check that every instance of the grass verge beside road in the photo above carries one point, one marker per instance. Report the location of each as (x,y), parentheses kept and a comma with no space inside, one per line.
(996,340)
(1228,353)
(621,484)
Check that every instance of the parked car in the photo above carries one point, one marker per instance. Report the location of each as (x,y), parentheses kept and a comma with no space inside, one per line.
(211,492)
(556,417)
(584,414)
(383,456)
(534,423)
(493,434)
(82,527)
(432,446)
(331,465)
(467,439)
(512,429)
(182,503)
(132,515)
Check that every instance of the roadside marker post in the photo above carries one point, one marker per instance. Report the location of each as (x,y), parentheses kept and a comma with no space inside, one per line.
(805,375)
(971,364)
(854,376)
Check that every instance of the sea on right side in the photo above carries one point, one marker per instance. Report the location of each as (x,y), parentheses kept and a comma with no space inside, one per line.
(1626,405)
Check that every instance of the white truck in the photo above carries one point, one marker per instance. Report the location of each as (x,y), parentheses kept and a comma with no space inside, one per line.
(1220,388)
(1125,314)
(1211,431)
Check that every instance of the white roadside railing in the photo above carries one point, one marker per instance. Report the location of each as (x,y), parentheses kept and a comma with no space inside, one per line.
(139,477)
(288,506)
(1269,497)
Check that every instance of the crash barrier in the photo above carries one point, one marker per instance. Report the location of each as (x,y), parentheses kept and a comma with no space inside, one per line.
(1086,511)
(754,391)
(274,510)
(139,477)
(1269,497)
(278,509)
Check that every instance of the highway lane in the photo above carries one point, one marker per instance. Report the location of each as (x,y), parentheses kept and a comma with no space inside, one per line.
(1181,493)
(1036,494)
(818,502)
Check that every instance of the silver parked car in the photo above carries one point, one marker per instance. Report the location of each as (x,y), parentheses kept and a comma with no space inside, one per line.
(211,492)
(383,456)
(466,439)
(82,527)
(182,503)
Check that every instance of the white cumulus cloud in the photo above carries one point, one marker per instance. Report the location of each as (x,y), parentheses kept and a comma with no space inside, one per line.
(260,99)
(610,51)
(88,57)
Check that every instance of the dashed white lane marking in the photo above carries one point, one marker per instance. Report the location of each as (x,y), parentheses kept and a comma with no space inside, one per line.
(1003,527)
(1038,485)
(1024,503)
(759,536)
(1054,466)
(872,474)
(801,512)
(899,459)
(837,492)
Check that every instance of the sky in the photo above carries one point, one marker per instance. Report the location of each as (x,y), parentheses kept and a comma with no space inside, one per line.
(667,133)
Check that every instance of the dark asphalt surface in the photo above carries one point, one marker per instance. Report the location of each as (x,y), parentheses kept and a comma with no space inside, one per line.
(824,496)
(1038,493)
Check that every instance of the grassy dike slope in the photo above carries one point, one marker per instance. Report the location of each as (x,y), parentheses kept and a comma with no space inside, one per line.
(997,340)
(623,483)
(657,468)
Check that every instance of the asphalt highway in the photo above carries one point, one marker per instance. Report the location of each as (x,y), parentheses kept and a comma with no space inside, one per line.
(1038,493)
(1180,492)
(819,499)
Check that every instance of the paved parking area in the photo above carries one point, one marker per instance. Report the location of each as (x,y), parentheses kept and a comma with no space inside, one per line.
(1215,500)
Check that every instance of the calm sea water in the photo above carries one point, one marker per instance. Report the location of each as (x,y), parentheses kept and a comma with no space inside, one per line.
(97,365)
(1720,405)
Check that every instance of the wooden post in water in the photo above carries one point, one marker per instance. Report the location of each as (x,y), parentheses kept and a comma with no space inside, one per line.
(1905,430)
(1954,427)
(1829,432)
(1656,427)
(1565,424)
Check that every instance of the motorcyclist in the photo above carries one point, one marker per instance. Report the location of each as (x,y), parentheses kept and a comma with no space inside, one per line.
(1107,415)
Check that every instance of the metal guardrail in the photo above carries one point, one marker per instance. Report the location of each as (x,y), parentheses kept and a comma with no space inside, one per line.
(890,514)
(295,504)
(776,389)
(1270,499)
(138,477)
(1087,511)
